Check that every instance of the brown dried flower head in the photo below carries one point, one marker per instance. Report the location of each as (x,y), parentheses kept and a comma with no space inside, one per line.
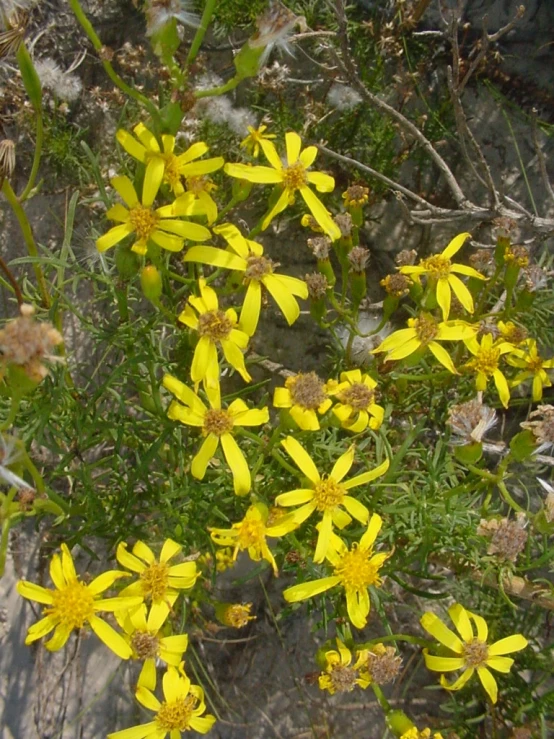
(355,196)
(358,259)
(396,284)
(406,257)
(317,285)
(27,344)
(7,159)
(237,615)
(482,260)
(470,421)
(383,664)
(542,428)
(508,537)
(344,222)
(320,247)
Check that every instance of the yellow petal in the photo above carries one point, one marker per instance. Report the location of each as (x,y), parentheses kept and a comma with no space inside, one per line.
(321,214)
(136,732)
(205,354)
(58,640)
(308,156)
(481,626)
(442,633)
(203,456)
(286,302)
(215,257)
(114,236)
(128,560)
(443,664)
(170,242)
(206,166)
(170,549)
(271,154)
(294,145)
(174,686)
(455,245)
(357,605)
(322,546)
(261,175)
(119,213)
(146,137)
(34,592)
(239,467)
(502,387)
(373,528)
(508,645)
(461,292)
(442,356)
(143,551)
(126,190)
(444,297)
(356,509)
(302,459)
(197,149)
(501,664)
(489,683)
(366,477)
(279,207)
(110,637)
(147,699)
(147,677)
(460,619)
(40,629)
(131,145)
(323,182)
(343,464)
(294,497)
(235,357)
(282,397)
(105,580)
(309,589)
(250,312)
(408,348)
(460,682)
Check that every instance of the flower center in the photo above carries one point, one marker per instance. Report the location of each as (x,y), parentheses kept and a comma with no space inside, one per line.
(145,645)
(358,395)
(217,422)
(534,364)
(343,678)
(155,580)
(143,220)
(476,653)
(356,570)
(258,267)
(238,615)
(171,172)
(426,328)
(251,533)
(486,361)
(437,266)
(176,715)
(294,177)
(72,605)
(307,390)
(199,183)
(328,494)
(215,325)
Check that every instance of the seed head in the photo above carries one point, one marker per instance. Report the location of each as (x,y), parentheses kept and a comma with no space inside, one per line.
(344,222)
(406,257)
(396,284)
(383,664)
(307,390)
(358,258)
(7,159)
(317,285)
(517,255)
(320,246)
(508,537)
(470,421)
(355,196)
(26,343)
(543,428)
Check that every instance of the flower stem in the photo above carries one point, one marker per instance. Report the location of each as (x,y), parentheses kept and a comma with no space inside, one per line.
(201,32)
(36,157)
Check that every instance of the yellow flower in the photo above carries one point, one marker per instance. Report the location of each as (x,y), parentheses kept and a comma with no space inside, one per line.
(512,333)
(355,570)
(413,733)
(199,187)
(181,710)
(72,604)
(327,495)
(425,332)
(533,365)
(217,425)
(486,357)
(472,651)
(251,534)
(145,148)
(356,409)
(355,196)
(340,675)
(256,139)
(140,218)
(439,269)
(304,394)
(234,615)
(214,327)
(258,272)
(292,177)
(142,633)
(158,581)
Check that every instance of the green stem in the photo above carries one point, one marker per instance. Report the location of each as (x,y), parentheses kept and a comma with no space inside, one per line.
(221,90)
(383,702)
(110,71)
(508,498)
(6,524)
(36,157)
(425,377)
(201,32)
(29,240)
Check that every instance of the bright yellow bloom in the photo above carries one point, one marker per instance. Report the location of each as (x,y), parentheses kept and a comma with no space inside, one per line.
(200,187)
(533,365)
(304,394)
(340,675)
(158,581)
(73,604)
(439,270)
(145,148)
(472,651)
(512,333)
(215,327)
(181,710)
(258,272)
(217,425)
(252,532)
(355,196)
(234,615)
(142,633)
(486,357)
(355,570)
(147,223)
(327,495)
(356,409)
(425,332)
(255,140)
(292,176)
(413,733)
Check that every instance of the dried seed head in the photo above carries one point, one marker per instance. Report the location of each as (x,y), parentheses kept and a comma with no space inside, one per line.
(320,246)
(344,222)
(7,158)
(145,645)
(543,428)
(535,278)
(470,421)
(317,285)
(406,257)
(358,259)
(396,284)
(275,77)
(236,615)
(504,228)
(307,390)
(508,537)
(482,260)
(26,343)
(383,664)
(355,196)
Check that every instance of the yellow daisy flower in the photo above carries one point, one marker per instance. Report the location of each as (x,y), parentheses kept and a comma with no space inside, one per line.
(424,332)
(303,395)
(142,633)
(355,570)
(217,425)
(258,272)
(533,365)
(512,333)
(252,532)
(356,409)
(200,187)
(73,604)
(440,271)
(140,218)
(472,651)
(294,176)
(327,495)
(144,147)
(413,733)
(340,675)
(255,140)
(181,710)
(158,580)
(215,327)
(486,358)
